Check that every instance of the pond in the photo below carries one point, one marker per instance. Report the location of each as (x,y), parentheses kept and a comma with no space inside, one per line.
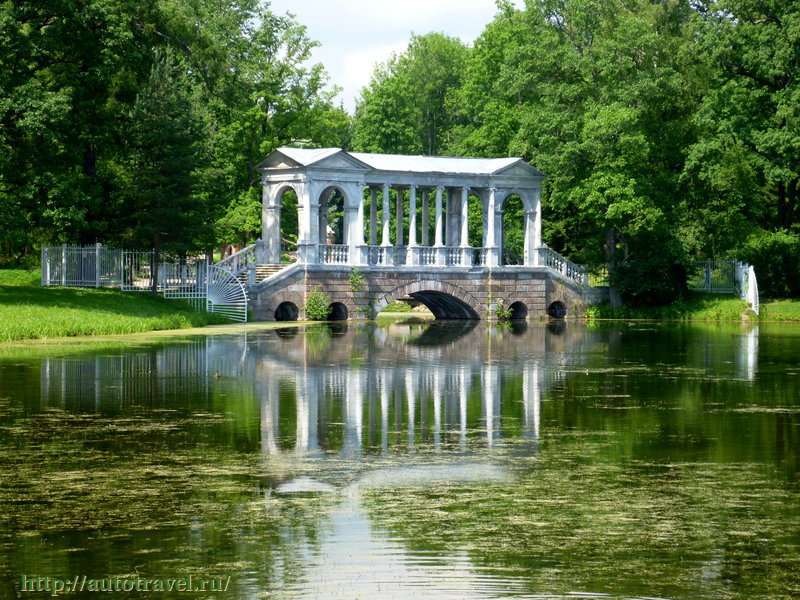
(400,459)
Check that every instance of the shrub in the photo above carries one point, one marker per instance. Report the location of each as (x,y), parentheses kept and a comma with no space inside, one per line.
(356,280)
(318,305)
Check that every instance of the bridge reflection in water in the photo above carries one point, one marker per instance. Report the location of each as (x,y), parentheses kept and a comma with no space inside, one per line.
(355,389)
(346,419)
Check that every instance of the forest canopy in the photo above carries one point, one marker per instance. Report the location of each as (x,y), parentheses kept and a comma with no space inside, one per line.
(669,129)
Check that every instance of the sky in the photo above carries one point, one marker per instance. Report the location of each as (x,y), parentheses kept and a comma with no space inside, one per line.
(356,34)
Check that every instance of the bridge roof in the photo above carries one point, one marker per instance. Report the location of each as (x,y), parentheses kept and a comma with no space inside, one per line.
(401,163)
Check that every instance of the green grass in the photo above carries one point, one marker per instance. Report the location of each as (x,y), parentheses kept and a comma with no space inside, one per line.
(780,310)
(29,311)
(699,306)
(696,306)
(398,307)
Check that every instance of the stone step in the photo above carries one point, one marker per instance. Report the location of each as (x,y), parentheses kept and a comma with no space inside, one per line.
(262,272)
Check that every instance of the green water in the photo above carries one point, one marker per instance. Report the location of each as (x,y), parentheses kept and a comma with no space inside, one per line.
(409,460)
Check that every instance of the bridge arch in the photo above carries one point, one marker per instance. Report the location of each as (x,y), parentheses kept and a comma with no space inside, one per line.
(444,300)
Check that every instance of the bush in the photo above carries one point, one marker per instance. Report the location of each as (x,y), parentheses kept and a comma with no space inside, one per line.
(318,305)
(775,255)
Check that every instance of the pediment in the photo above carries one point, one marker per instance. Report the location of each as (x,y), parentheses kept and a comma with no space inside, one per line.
(340,160)
(278,160)
(520,168)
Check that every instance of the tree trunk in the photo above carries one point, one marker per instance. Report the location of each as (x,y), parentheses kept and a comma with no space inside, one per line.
(611,248)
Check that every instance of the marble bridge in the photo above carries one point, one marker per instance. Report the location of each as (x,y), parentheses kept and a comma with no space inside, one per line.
(373,228)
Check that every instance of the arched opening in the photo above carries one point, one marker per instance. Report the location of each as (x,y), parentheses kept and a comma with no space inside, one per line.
(518,310)
(286,311)
(288,228)
(557,310)
(331,216)
(445,306)
(338,312)
(512,235)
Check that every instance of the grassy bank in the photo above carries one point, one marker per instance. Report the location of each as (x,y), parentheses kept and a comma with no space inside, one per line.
(702,307)
(29,311)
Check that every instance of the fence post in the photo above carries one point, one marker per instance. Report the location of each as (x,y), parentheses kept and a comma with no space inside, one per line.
(45,266)
(63,265)
(97,270)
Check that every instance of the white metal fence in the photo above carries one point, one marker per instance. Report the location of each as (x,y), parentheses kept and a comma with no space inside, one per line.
(81,266)
(726,277)
(205,287)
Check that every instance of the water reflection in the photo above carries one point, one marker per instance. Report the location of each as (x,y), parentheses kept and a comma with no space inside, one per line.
(439,460)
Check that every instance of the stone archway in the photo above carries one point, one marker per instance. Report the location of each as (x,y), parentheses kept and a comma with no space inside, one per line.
(443,299)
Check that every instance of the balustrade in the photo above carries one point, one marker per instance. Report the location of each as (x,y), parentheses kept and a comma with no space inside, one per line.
(427,256)
(335,254)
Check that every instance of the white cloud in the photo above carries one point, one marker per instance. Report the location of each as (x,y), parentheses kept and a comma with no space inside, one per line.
(357,34)
(359,65)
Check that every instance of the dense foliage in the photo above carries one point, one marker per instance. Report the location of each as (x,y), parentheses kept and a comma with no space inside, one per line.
(669,129)
(142,122)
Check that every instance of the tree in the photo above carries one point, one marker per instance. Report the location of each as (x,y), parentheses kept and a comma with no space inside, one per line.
(754,108)
(68,71)
(405,110)
(604,91)
(166,152)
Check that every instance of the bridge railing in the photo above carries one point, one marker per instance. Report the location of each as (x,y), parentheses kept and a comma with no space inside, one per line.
(334,254)
(427,256)
(550,258)
(238,262)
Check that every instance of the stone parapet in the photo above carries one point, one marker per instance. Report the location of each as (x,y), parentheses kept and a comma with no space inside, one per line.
(458,292)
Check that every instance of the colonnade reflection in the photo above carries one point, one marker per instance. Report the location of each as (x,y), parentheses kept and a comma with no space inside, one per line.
(355,390)
(354,411)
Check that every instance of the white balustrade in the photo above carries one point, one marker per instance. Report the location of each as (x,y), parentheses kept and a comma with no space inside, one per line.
(552,259)
(335,254)
(239,261)
(427,256)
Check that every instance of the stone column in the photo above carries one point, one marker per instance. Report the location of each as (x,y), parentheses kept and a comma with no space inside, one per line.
(398,224)
(451,233)
(499,233)
(354,223)
(373,216)
(386,241)
(271,225)
(412,256)
(437,243)
(426,218)
(537,224)
(465,217)
(492,252)
(531,253)
(308,224)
